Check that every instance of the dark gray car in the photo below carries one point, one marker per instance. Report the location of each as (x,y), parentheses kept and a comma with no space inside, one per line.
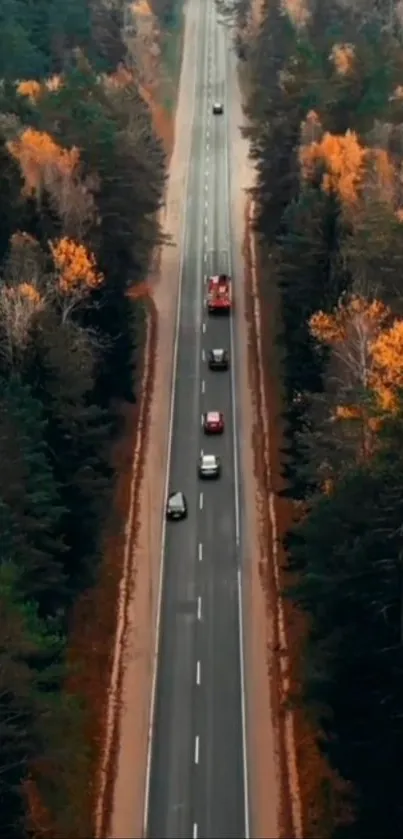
(176,506)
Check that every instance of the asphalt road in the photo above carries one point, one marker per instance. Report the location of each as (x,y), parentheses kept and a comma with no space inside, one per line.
(197,780)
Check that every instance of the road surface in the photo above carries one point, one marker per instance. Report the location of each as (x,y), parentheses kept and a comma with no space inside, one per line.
(197,783)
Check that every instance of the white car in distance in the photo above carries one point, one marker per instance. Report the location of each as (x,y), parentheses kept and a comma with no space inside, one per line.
(209,466)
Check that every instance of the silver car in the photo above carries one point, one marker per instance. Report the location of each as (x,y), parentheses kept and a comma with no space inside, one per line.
(209,466)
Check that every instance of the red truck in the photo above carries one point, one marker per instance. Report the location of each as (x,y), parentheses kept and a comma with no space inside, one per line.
(219,297)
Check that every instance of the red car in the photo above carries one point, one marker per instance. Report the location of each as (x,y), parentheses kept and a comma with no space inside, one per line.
(213,422)
(219,294)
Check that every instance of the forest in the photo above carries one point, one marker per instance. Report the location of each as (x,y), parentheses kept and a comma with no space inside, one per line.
(325,123)
(82,176)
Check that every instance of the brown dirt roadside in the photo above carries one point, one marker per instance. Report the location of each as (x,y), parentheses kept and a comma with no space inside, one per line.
(267,779)
(136,625)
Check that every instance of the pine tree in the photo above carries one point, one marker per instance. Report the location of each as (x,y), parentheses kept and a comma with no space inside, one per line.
(29,497)
(348,552)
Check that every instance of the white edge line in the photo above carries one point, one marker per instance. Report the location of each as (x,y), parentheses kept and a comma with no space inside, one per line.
(232,341)
(167,471)
(243,708)
(236,475)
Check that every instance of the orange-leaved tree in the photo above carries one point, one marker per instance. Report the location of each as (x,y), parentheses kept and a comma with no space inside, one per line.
(342,57)
(387,371)
(76,268)
(46,165)
(33,89)
(351,332)
(342,159)
(38,155)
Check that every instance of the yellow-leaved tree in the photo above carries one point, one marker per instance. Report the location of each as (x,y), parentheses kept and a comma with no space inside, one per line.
(33,89)
(351,332)
(387,371)
(45,165)
(76,268)
(342,56)
(39,156)
(342,157)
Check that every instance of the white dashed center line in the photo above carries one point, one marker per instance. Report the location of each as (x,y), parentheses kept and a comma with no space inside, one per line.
(197,749)
(195,830)
(200,544)
(198,679)
(203,355)
(204,325)
(201,507)
(199,608)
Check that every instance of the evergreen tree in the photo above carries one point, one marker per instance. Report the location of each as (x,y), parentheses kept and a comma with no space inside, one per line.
(29,500)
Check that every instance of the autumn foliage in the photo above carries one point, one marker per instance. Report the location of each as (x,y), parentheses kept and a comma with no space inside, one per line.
(387,372)
(342,56)
(40,157)
(370,345)
(342,158)
(75,266)
(360,316)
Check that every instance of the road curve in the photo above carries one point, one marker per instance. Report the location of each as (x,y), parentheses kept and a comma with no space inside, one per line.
(198,781)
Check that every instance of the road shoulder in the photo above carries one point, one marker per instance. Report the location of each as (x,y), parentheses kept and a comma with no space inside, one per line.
(129,787)
(262,732)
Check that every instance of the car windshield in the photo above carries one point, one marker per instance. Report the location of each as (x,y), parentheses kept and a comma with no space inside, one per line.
(213,416)
(218,354)
(176,501)
(209,460)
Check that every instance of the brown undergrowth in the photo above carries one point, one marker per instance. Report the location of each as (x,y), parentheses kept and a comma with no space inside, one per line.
(316,781)
(265,535)
(129,469)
